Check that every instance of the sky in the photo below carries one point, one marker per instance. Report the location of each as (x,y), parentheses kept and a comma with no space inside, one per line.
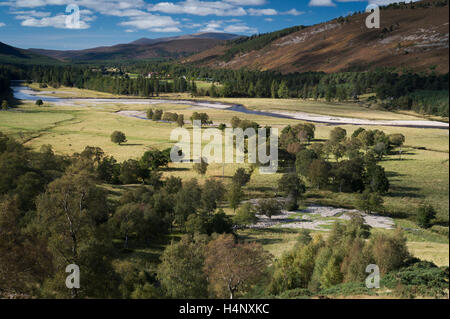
(46,23)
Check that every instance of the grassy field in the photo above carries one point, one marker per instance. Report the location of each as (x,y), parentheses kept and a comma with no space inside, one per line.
(420,176)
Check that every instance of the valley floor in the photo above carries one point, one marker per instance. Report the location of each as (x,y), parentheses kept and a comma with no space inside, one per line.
(420,174)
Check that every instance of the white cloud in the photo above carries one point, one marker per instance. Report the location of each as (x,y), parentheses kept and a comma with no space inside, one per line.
(212,26)
(247,2)
(224,26)
(233,21)
(268,19)
(106,7)
(386,2)
(200,8)
(33,18)
(293,12)
(141,15)
(321,3)
(31,13)
(154,23)
(127,13)
(168,29)
(240,29)
(134,10)
(193,25)
(58,21)
(262,12)
(2,24)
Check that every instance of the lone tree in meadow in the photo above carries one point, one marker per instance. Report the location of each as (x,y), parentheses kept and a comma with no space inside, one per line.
(5,105)
(39,102)
(118,137)
(396,140)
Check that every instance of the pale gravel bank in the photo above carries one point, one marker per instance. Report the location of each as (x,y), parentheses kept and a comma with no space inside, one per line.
(308,218)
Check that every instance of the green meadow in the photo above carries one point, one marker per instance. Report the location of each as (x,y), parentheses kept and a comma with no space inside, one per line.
(420,174)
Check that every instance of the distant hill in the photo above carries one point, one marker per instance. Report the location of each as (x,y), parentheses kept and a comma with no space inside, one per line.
(204,35)
(414,36)
(174,47)
(10,54)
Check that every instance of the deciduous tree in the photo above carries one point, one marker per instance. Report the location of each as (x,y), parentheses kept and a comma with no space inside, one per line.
(232,267)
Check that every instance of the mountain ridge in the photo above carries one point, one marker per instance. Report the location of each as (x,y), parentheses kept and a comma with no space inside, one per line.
(143,48)
(200,35)
(10,54)
(411,36)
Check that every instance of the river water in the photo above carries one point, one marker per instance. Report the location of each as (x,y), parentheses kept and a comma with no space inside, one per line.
(25,93)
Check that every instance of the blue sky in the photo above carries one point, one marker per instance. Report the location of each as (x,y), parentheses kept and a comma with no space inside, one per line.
(42,23)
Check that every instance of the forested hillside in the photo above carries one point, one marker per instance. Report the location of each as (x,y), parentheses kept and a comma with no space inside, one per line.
(9,54)
(422,93)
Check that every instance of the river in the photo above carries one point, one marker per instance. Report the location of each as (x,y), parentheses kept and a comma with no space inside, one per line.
(25,93)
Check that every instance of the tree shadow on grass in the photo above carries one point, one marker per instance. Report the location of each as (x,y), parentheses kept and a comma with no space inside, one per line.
(146,255)
(260,189)
(405,191)
(268,231)
(175,169)
(268,241)
(262,241)
(391,174)
(115,192)
(398,159)
(395,214)
(255,233)
(225,177)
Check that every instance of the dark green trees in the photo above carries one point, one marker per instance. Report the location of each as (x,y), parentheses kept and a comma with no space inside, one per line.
(201,167)
(4,105)
(293,188)
(181,269)
(425,214)
(268,207)
(118,137)
(241,177)
(70,215)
